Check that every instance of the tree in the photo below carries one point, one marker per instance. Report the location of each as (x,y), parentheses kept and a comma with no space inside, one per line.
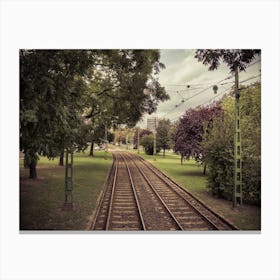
(147,141)
(171,134)
(236,58)
(81,138)
(219,147)
(162,134)
(120,135)
(191,130)
(126,84)
(59,89)
(142,133)
(51,99)
(97,134)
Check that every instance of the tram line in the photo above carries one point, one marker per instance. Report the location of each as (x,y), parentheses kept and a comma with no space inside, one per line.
(137,197)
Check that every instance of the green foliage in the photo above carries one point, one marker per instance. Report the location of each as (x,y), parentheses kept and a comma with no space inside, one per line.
(234,58)
(251,142)
(147,141)
(189,175)
(219,147)
(142,133)
(66,96)
(120,135)
(162,134)
(125,85)
(52,94)
(171,134)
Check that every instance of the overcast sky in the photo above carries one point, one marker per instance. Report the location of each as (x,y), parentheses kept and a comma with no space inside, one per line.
(183,70)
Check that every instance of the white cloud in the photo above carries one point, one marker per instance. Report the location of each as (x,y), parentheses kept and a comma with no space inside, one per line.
(183,69)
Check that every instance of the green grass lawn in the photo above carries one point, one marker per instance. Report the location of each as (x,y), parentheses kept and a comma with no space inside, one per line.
(190,175)
(41,200)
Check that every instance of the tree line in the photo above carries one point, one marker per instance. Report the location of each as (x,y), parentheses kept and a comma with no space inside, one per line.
(68,97)
(206,134)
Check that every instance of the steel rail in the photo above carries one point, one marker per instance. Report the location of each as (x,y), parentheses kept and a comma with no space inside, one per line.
(112,197)
(135,195)
(180,195)
(159,173)
(106,187)
(159,197)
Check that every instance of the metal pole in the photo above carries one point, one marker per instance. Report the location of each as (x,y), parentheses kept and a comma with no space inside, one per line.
(106,142)
(237,190)
(68,203)
(126,140)
(138,141)
(155,144)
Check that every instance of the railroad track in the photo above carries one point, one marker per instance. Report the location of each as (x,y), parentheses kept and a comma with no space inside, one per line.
(119,208)
(137,196)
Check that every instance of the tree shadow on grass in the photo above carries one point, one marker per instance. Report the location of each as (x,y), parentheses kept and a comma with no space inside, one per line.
(193,173)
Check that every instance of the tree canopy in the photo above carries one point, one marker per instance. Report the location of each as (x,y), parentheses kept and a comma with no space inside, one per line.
(192,128)
(234,58)
(142,133)
(163,128)
(61,89)
(218,147)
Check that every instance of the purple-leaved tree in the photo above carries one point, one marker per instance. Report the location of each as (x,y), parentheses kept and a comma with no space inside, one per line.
(192,129)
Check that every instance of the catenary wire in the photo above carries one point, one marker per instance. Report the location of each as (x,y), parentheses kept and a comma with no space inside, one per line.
(221,93)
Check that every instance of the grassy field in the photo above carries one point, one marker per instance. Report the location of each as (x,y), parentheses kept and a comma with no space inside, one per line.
(190,175)
(41,200)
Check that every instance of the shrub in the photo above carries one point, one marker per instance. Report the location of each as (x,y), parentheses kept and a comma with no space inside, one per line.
(147,142)
(219,147)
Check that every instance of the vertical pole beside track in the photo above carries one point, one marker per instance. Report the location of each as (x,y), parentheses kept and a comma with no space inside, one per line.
(152,126)
(155,138)
(138,140)
(68,203)
(106,142)
(155,144)
(237,189)
(126,140)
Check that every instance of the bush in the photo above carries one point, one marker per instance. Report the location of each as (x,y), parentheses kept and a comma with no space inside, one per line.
(147,142)
(219,147)
(219,158)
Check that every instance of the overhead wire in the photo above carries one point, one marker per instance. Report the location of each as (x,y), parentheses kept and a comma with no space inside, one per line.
(204,84)
(248,79)
(212,98)
(257,61)
(222,93)
(196,94)
(191,87)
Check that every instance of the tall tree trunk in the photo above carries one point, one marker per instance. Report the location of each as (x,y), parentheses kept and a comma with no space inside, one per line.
(204,169)
(182,160)
(33,170)
(61,158)
(163,152)
(91,149)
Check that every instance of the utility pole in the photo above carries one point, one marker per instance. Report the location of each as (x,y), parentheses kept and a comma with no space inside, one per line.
(237,190)
(68,203)
(106,142)
(138,140)
(152,126)
(126,140)
(155,144)
(155,138)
